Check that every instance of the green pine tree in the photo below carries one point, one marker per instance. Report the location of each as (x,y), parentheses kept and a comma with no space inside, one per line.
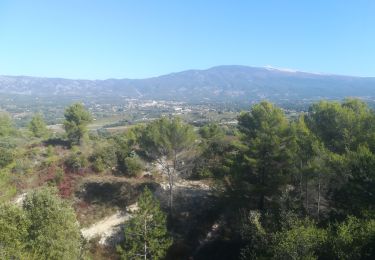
(165,140)
(38,127)
(76,120)
(146,234)
(267,150)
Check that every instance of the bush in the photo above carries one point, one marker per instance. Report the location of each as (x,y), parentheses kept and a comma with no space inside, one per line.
(6,125)
(59,175)
(255,237)
(6,156)
(22,166)
(54,231)
(303,240)
(104,157)
(13,231)
(133,166)
(354,239)
(44,228)
(76,160)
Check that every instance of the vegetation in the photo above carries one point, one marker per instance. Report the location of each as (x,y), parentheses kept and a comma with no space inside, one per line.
(76,120)
(273,186)
(6,125)
(146,234)
(45,228)
(165,140)
(38,127)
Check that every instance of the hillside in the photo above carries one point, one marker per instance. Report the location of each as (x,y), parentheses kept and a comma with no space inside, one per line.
(222,83)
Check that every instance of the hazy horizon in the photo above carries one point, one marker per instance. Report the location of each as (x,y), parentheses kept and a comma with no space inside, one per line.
(288,70)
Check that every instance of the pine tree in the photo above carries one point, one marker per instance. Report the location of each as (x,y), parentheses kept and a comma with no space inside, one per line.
(165,140)
(268,150)
(76,120)
(38,127)
(146,234)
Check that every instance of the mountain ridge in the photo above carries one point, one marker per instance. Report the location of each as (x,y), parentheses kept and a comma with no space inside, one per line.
(219,83)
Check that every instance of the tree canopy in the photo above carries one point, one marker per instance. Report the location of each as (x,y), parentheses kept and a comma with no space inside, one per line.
(146,235)
(38,127)
(44,228)
(76,120)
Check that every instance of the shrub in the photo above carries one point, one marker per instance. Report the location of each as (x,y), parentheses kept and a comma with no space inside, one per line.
(133,165)
(104,157)
(6,156)
(303,240)
(76,160)
(354,239)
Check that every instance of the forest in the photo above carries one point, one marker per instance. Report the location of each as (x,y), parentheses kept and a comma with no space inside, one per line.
(269,187)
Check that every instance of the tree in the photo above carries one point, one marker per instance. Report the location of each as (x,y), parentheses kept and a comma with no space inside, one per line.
(310,166)
(146,235)
(213,148)
(255,237)
(355,193)
(267,150)
(13,232)
(44,228)
(342,126)
(301,240)
(38,127)
(104,156)
(76,120)
(54,231)
(354,239)
(6,125)
(124,144)
(165,140)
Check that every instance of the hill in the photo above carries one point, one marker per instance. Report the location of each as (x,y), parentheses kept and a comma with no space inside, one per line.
(222,83)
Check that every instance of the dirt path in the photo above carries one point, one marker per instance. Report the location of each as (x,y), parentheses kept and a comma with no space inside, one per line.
(109,226)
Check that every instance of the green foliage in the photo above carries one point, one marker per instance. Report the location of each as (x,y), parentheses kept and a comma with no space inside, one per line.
(54,231)
(6,156)
(104,156)
(14,227)
(214,147)
(133,165)
(355,193)
(6,125)
(164,140)
(45,228)
(124,144)
(342,126)
(76,120)
(267,150)
(167,138)
(59,175)
(146,235)
(50,158)
(354,239)
(255,237)
(76,160)
(211,131)
(301,240)
(38,127)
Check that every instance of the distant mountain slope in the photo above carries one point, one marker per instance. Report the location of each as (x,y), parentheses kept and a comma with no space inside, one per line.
(222,83)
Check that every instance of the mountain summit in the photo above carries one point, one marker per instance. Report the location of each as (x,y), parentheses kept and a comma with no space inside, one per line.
(221,83)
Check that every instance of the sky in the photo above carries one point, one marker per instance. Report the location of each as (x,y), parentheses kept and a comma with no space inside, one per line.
(95,39)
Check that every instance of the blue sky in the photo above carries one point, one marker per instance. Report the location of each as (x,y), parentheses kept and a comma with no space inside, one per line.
(135,39)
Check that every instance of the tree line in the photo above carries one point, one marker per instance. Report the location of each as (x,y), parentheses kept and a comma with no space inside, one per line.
(292,188)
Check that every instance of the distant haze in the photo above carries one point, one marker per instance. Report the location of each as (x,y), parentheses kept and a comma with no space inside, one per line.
(221,83)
